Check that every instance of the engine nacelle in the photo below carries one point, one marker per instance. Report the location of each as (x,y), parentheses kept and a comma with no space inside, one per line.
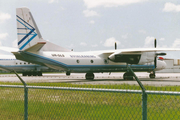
(147,57)
(141,58)
(160,65)
(128,58)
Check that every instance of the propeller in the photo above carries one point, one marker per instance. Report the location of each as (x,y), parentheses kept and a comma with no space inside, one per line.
(155,58)
(115,46)
(156,54)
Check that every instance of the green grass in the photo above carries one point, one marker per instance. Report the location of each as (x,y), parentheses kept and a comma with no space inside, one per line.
(46,104)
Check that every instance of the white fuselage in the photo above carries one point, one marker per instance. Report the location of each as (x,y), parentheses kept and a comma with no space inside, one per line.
(86,62)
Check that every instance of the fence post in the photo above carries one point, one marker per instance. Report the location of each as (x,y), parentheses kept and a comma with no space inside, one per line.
(144,106)
(144,96)
(25,97)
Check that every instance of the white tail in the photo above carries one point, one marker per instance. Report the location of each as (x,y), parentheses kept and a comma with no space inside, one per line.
(28,32)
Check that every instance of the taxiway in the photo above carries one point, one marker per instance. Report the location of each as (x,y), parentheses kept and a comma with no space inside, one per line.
(162,79)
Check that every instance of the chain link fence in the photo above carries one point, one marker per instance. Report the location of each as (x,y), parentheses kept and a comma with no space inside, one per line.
(77,103)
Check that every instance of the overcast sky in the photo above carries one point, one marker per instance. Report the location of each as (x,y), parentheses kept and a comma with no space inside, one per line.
(88,25)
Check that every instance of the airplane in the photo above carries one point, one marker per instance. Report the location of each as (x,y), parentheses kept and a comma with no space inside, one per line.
(9,63)
(33,48)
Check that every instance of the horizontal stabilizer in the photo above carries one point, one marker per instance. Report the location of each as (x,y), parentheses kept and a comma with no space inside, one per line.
(36,47)
(18,56)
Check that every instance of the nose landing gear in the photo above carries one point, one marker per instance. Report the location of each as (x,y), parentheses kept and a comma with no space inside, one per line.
(152,74)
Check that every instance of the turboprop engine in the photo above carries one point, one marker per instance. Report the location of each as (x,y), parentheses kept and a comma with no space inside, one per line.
(136,57)
(146,57)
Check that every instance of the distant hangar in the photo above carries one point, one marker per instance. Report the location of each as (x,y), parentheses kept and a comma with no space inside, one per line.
(173,66)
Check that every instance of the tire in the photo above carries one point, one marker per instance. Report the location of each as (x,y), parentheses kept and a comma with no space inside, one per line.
(89,76)
(152,75)
(68,73)
(128,76)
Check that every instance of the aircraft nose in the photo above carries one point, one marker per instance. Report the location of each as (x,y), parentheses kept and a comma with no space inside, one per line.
(161,65)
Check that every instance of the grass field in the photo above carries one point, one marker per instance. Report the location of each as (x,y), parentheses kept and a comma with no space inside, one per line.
(46,104)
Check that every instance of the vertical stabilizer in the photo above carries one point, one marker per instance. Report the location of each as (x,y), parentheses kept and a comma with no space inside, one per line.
(27,30)
(28,33)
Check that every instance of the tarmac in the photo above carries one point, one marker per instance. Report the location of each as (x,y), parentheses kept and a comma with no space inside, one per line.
(162,79)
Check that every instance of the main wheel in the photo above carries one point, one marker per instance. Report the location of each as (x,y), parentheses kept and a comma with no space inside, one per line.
(39,73)
(34,73)
(128,76)
(29,73)
(68,73)
(89,76)
(24,74)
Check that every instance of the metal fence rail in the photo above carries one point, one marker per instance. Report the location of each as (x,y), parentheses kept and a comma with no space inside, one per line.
(94,89)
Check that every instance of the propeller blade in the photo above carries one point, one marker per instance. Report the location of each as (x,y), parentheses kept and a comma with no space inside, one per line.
(155,58)
(115,46)
(155,62)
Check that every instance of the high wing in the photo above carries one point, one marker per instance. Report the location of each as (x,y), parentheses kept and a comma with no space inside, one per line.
(133,56)
(137,50)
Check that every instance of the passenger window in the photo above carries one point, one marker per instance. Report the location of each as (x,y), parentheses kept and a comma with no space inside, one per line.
(106,61)
(77,61)
(92,61)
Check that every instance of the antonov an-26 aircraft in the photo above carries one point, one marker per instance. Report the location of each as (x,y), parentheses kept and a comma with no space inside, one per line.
(33,48)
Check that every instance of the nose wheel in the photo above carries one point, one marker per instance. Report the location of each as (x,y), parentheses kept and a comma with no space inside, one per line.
(152,74)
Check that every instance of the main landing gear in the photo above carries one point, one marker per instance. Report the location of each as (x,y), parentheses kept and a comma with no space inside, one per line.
(68,73)
(128,76)
(32,74)
(89,76)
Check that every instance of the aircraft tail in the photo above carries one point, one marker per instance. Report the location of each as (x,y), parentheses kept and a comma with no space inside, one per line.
(29,34)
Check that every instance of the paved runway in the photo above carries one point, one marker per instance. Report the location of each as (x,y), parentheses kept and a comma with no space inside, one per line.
(162,79)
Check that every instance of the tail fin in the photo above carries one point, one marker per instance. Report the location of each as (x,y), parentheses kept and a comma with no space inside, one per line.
(28,32)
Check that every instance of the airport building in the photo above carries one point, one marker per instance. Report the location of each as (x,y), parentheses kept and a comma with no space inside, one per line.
(173,66)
